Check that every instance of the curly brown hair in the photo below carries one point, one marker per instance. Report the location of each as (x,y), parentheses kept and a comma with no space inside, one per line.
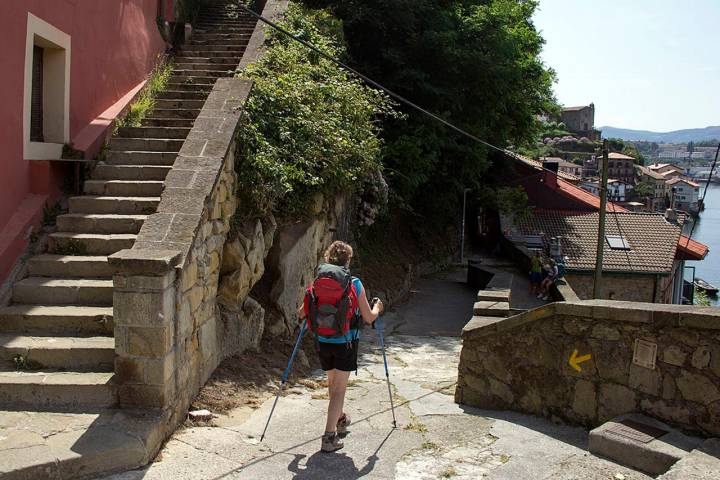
(339,253)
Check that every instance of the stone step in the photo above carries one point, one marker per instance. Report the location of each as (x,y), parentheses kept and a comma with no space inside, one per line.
(160,132)
(89,243)
(135,188)
(130,172)
(114,205)
(201,73)
(229,59)
(181,85)
(641,443)
(703,463)
(178,113)
(491,309)
(206,66)
(219,38)
(69,353)
(90,223)
(224,28)
(146,144)
(57,389)
(137,157)
(67,320)
(500,295)
(174,94)
(212,49)
(200,40)
(168,122)
(184,104)
(63,291)
(49,265)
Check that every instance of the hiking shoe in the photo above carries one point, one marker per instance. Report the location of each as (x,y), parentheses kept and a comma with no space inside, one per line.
(331,442)
(342,425)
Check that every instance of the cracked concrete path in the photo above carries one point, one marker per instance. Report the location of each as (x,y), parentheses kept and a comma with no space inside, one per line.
(435,438)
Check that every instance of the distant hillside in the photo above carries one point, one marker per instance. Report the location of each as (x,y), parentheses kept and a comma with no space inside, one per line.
(678,136)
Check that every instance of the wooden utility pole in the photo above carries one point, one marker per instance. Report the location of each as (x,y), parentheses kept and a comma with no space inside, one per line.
(601,226)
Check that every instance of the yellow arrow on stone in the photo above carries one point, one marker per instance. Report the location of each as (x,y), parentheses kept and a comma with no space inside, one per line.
(575,361)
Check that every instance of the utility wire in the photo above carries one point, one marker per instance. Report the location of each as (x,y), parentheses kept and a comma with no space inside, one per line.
(379,86)
(404,100)
(369,80)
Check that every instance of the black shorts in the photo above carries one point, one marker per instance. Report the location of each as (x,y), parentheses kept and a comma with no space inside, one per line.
(338,356)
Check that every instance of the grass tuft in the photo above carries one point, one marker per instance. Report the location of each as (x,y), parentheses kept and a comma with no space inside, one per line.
(156,83)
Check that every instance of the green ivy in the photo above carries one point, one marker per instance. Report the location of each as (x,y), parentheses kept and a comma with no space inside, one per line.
(310,127)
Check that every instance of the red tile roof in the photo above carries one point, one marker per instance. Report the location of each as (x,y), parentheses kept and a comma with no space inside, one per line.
(678,180)
(692,249)
(568,189)
(652,239)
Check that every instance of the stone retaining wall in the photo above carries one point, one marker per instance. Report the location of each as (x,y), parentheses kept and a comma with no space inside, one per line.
(523,363)
(168,340)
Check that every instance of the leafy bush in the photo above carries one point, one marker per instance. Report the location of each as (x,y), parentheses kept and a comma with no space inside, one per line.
(156,83)
(310,127)
(476,63)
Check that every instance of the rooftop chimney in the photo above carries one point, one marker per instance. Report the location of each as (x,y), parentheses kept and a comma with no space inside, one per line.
(551,172)
(670,215)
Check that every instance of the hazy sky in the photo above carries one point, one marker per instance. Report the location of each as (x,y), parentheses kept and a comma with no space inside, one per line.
(646,64)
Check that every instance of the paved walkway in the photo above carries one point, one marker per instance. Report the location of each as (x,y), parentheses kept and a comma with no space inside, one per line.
(435,437)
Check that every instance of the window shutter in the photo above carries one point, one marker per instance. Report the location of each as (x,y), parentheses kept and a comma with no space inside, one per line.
(36,107)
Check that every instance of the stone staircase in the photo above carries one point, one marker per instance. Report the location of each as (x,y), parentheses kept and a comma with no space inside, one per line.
(60,320)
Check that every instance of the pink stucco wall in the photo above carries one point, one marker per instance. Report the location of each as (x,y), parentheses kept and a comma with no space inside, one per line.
(114,44)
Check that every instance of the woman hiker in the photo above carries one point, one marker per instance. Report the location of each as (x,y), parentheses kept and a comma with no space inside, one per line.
(338,352)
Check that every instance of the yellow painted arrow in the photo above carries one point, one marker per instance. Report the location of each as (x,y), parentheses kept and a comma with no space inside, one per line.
(575,361)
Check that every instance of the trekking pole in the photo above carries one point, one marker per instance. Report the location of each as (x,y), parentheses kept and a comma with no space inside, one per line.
(387,372)
(285,376)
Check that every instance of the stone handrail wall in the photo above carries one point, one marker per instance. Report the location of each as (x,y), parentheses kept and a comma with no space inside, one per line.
(165,291)
(169,335)
(522,363)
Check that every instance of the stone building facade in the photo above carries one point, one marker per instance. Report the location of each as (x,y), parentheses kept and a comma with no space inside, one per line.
(581,121)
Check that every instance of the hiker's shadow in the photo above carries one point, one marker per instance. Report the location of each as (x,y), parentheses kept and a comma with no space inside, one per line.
(329,466)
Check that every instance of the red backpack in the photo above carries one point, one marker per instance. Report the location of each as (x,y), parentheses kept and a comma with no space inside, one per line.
(330,301)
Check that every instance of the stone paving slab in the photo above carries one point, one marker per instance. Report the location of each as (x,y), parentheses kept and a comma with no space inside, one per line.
(69,445)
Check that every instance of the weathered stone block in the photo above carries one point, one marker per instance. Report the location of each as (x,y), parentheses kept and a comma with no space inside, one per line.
(645,380)
(701,357)
(152,396)
(605,332)
(144,262)
(576,326)
(129,370)
(501,391)
(195,296)
(674,355)
(585,399)
(669,389)
(143,309)
(615,400)
(160,370)
(697,388)
(670,413)
(189,276)
(496,366)
(150,341)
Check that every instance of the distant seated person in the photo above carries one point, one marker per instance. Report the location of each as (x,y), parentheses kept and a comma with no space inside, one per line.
(551,271)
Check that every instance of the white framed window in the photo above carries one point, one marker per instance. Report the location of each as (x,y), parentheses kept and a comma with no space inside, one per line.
(46,106)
